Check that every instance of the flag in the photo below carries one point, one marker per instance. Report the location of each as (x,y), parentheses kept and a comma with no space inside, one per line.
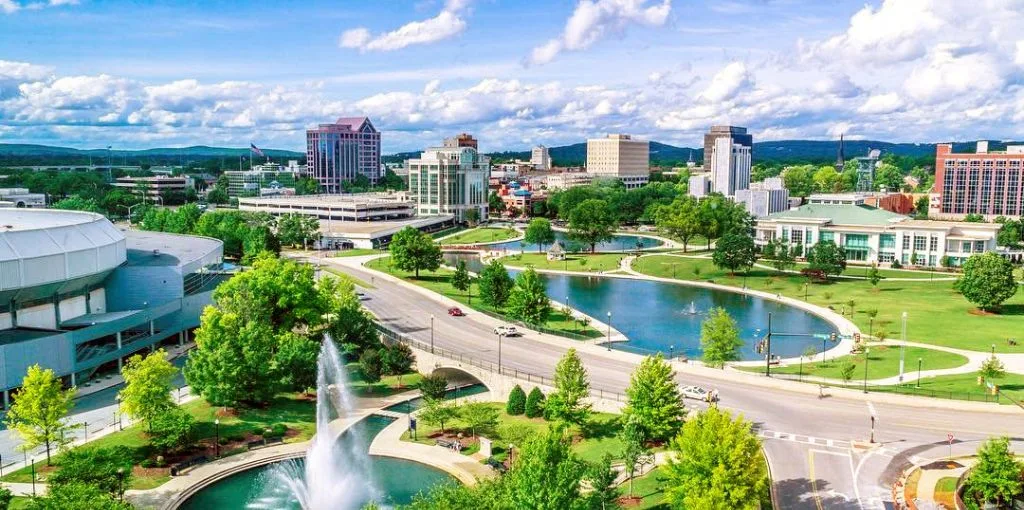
(254,148)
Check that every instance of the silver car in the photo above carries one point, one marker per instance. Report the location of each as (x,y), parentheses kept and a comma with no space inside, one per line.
(698,393)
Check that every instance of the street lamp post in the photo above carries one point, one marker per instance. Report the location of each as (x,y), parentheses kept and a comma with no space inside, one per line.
(33,478)
(918,372)
(431,333)
(768,346)
(216,443)
(500,336)
(610,331)
(866,351)
(903,345)
(120,483)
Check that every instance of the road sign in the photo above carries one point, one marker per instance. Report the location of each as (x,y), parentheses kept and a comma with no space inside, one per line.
(949,437)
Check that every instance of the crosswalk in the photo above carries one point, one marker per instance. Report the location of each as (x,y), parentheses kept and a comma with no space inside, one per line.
(805,439)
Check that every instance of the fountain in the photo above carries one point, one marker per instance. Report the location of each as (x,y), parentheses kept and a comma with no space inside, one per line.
(335,474)
(693,309)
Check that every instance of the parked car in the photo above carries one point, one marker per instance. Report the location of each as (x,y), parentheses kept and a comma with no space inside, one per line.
(698,393)
(361,296)
(455,312)
(507,331)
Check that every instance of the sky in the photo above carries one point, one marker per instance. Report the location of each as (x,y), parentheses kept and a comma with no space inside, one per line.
(515,73)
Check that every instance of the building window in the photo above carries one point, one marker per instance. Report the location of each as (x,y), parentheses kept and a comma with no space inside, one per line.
(906,242)
(887,241)
(933,243)
(796,237)
(919,242)
(886,257)
(826,236)
(979,246)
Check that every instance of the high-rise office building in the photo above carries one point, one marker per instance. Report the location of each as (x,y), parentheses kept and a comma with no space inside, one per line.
(449,180)
(337,153)
(540,158)
(461,140)
(764,198)
(619,157)
(737,134)
(730,166)
(988,183)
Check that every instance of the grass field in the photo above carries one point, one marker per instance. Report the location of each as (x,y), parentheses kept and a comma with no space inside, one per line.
(883,361)
(347,277)
(862,271)
(481,235)
(937,314)
(388,385)
(591,442)
(961,385)
(575,262)
(356,252)
(290,409)
(439,282)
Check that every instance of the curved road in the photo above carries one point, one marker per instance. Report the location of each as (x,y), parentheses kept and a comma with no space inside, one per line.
(809,440)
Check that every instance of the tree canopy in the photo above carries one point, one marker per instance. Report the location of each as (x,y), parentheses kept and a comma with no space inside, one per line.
(654,402)
(528,301)
(735,251)
(572,387)
(998,476)
(987,280)
(539,232)
(591,222)
(827,257)
(680,219)
(495,284)
(39,408)
(412,250)
(147,386)
(720,338)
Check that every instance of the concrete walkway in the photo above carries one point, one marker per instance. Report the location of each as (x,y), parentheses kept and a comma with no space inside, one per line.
(886,278)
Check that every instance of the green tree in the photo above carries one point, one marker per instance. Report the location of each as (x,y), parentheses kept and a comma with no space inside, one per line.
(974,218)
(534,403)
(591,222)
(97,467)
(461,279)
(632,437)
(412,250)
(528,300)
(827,257)
(296,356)
(654,404)
(229,364)
(873,275)
(782,258)
(716,462)
(1010,234)
(147,389)
(572,386)
(396,359)
(888,176)
(604,492)
(827,180)
(734,251)
(546,475)
(680,219)
(370,367)
(495,205)
(77,496)
(438,412)
(799,180)
(306,186)
(720,338)
(921,207)
(495,284)
(172,430)
(297,229)
(6,496)
(472,216)
(516,404)
(998,476)
(39,409)
(846,371)
(987,280)
(479,416)
(77,203)
(539,232)
(434,386)
(992,369)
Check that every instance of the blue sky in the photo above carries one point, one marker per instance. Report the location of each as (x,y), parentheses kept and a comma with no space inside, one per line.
(515,73)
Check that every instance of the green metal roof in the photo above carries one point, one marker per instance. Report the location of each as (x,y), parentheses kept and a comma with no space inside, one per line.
(841,214)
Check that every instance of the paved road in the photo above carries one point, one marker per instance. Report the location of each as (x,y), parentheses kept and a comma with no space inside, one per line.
(808,440)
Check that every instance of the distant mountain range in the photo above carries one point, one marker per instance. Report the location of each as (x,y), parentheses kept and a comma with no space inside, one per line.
(566,155)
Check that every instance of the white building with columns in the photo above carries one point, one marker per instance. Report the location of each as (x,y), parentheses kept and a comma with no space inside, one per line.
(872,235)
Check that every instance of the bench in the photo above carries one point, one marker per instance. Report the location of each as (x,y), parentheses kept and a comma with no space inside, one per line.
(255,444)
(497,466)
(181,466)
(814,274)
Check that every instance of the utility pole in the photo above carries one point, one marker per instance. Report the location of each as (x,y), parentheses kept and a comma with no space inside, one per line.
(903,345)
(768,355)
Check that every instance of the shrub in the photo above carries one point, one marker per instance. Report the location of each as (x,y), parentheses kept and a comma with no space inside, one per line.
(896,264)
(172,429)
(148,463)
(279,428)
(516,401)
(94,466)
(258,431)
(236,438)
(534,403)
(222,441)
(434,387)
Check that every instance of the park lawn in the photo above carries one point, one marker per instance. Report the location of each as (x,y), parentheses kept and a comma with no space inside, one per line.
(448,231)
(440,282)
(295,411)
(349,278)
(944,491)
(650,487)
(572,262)
(937,314)
(356,252)
(591,441)
(387,386)
(965,386)
(883,361)
(20,503)
(481,235)
(862,271)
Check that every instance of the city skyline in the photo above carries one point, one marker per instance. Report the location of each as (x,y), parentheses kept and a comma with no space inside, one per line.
(665,70)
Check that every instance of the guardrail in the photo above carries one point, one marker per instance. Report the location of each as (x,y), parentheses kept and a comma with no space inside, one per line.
(902,389)
(390,335)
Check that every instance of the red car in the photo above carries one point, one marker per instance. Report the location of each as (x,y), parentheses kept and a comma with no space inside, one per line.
(455,312)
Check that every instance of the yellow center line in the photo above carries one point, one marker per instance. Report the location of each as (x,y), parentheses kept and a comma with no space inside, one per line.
(814,482)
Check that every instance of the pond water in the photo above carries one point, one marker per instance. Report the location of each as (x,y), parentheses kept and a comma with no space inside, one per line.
(397,480)
(620,242)
(667,317)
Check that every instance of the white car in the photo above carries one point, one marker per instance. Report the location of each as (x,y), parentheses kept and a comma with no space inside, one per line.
(507,331)
(698,393)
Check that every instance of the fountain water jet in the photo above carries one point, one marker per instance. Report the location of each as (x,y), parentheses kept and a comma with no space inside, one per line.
(336,474)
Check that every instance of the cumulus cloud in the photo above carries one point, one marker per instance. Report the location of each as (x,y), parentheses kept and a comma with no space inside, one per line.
(881,104)
(953,70)
(12,6)
(892,33)
(448,23)
(728,82)
(593,20)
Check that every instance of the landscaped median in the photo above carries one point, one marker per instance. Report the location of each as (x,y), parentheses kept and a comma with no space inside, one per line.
(937,314)
(481,235)
(440,282)
(882,362)
(578,262)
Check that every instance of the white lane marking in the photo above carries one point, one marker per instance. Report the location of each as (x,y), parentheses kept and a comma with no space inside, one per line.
(830,452)
(871,409)
(802,439)
(856,486)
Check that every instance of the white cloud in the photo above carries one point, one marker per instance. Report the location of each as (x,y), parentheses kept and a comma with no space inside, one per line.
(881,104)
(838,85)
(892,33)
(431,87)
(951,70)
(728,82)
(1019,57)
(12,6)
(448,23)
(592,20)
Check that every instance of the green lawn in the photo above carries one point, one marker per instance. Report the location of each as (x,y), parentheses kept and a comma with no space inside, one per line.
(356,252)
(481,235)
(591,442)
(439,282)
(388,385)
(347,277)
(20,503)
(937,314)
(883,361)
(448,231)
(293,410)
(572,262)
(966,387)
(862,271)
(650,487)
